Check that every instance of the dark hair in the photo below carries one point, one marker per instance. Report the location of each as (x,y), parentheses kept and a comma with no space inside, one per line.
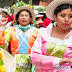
(4,12)
(61,7)
(17,16)
(44,17)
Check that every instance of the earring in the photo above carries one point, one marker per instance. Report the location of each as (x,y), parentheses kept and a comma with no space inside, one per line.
(71,26)
(55,24)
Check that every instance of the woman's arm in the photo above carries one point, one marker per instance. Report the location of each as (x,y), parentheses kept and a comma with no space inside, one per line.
(43,61)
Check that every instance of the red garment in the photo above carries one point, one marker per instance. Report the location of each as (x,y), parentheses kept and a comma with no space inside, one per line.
(45,23)
(9,19)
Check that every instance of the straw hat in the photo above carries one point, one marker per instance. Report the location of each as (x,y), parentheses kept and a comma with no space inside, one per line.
(0,10)
(5,10)
(53,5)
(27,8)
(9,62)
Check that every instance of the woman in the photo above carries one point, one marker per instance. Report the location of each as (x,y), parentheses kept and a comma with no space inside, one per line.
(10,18)
(52,50)
(26,33)
(5,13)
(18,40)
(22,34)
(24,17)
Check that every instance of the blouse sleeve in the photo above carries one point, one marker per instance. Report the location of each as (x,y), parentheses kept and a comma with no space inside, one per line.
(40,60)
(14,43)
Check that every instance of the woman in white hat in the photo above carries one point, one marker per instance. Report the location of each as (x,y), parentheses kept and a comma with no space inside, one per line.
(52,50)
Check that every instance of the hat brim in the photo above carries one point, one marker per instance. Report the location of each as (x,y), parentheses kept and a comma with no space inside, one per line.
(38,16)
(9,62)
(53,5)
(42,12)
(6,11)
(27,8)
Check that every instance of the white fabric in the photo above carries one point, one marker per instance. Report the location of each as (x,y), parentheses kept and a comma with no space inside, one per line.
(56,62)
(50,25)
(8,25)
(0,16)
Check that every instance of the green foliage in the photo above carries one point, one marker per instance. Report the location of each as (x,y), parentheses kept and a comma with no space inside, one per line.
(36,24)
(41,9)
(19,69)
(21,3)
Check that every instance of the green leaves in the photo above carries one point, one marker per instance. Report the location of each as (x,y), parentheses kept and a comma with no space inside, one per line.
(41,9)
(21,3)
(1,62)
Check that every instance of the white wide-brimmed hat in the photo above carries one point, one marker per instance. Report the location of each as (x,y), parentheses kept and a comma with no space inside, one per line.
(9,62)
(5,10)
(0,10)
(53,5)
(26,8)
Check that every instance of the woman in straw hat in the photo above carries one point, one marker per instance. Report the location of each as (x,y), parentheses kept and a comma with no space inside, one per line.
(21,37)
(24,17)
(23,33)
(52,50)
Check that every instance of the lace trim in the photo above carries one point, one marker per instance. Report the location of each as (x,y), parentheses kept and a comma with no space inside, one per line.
(58,41)
(52,39)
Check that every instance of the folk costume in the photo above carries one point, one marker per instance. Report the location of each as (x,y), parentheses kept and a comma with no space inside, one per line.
(47,51)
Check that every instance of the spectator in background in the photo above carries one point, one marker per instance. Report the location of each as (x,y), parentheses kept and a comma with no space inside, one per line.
(43,21)
(7,14)
(46,21)
(44,2)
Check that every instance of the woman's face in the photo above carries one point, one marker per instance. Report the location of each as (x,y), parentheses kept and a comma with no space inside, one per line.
(64,19)
(24,18)
(4,15)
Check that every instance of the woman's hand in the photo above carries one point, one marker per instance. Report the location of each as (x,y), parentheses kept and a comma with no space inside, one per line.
(65,60)
(4,21)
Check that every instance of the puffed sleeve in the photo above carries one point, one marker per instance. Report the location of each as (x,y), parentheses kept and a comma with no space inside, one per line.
(40,60)
(14,43)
